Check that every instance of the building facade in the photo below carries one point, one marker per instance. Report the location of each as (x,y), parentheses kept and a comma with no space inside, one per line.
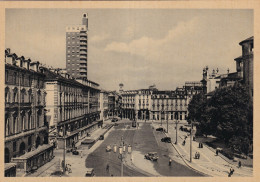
(26,130)
(77,49)
(248,61)
(72,107)
(103,102)
(153,104)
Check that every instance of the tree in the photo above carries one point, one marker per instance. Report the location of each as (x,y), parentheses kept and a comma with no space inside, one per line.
(198,112)
(232,116)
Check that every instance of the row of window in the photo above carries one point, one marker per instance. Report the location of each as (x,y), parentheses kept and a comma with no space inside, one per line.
(24,79)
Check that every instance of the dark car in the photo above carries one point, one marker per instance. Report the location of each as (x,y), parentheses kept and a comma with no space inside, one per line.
(75,152)
(101,137)
(166,139)
(160,129)
(89,172)
(114,120)
(153,156)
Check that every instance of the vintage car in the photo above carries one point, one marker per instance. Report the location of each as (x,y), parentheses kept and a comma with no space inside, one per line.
(153,156)
(89,172)
(160,129)
(114,120)
(166,139)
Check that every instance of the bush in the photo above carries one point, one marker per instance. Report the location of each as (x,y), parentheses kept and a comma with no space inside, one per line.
(228,154)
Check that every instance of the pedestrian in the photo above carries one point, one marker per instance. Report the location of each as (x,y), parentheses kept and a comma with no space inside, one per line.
(170,162)
(183,143)
(201,145)
(107,168)
(217,152)
(198,155)
(231,171)
(239,164)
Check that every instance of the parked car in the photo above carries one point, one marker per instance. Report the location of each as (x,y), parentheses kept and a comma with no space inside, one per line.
(114,120)
(160,129)
(90,172)
(108,148)
(101,137)
(75,152)
(166,140)
(153,156)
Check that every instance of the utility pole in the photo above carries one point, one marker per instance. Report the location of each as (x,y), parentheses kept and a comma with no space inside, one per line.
(167,121)
(64,150)
(191,142)
(176,122)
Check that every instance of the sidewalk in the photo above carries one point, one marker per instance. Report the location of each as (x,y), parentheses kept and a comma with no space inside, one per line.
(208,163)
(77,162)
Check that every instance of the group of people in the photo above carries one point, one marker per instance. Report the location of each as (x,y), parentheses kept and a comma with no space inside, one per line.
(231,171)
(197,155)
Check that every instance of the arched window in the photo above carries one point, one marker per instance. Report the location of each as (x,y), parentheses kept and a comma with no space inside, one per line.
(39,97)
(15,95)
(29,120)
(7,95)
(23,93)
(30,96)
(7,125)
(15,123)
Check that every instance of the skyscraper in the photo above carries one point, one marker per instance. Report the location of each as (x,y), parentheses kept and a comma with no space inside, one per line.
(77,49)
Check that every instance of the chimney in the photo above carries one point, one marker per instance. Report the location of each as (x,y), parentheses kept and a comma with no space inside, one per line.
(34,66)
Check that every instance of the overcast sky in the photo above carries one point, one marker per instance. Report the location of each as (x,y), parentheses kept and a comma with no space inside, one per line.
(138,47)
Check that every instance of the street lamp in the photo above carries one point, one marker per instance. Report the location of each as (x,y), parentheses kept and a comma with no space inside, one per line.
(176,122)
(122,150)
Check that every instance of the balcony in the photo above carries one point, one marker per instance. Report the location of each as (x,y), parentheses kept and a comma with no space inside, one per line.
(83,52)
(83,43)
(16,104)
(83,34)
(83,57)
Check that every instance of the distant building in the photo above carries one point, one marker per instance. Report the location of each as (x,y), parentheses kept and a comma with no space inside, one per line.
(103,102)
(77,49)
(114,104)
(26,129)
(153,104)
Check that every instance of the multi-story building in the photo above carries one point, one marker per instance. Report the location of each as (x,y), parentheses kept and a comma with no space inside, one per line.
(26,131)
(72,106)
(248,61)
(114,104)
(143,104)
(103,102)
(153,104)
(77,49)
(129,104)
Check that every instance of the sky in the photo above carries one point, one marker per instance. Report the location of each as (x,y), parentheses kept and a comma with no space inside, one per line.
(136,47)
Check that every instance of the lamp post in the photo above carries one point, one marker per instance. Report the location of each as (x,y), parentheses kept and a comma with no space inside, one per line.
(122,150)
(176,122)
(167,113)
(191,142)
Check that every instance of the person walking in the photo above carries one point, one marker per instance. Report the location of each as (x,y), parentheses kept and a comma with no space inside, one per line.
(239,164)
(217,152)
(170,162)
(107,168)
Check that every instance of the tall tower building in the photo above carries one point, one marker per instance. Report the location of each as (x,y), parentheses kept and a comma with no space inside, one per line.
(77,49)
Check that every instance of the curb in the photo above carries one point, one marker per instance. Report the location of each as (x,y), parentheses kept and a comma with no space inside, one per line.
(207,175)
